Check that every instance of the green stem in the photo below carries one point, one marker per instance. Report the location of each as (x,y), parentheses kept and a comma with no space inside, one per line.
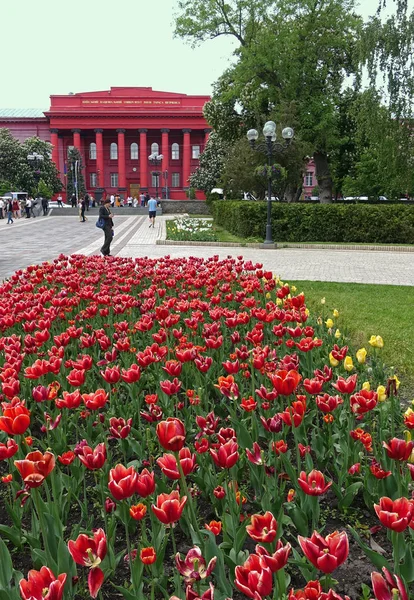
(395,539)
(125,510)
(190,504)
(176,574)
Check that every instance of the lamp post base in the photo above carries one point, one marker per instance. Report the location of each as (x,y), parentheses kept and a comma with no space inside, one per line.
(268,245)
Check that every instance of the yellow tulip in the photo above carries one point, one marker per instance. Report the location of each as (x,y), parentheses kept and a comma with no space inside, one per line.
(319,321)
(268,296)
(329,323)
(336,313)
(366,386)
(293,288)
(381,392)
(338,334)
(279,301)
(323,300)
(307,312)
(376,341)
(361,355)
(348,364)
(333,361)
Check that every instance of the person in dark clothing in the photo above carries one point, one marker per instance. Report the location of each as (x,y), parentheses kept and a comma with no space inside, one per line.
(87,201)
(73,200)
(82,213)
(147,198)
(106,215)
(45,206)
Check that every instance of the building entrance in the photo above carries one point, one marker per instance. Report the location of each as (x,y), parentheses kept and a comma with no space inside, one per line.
(134,190)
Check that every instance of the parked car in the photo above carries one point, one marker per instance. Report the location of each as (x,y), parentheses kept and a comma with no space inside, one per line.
(248,196)
(218,191)
(16,196)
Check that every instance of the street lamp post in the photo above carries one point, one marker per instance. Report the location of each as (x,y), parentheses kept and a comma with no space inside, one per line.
(269,147)
(35,160)
(156,160)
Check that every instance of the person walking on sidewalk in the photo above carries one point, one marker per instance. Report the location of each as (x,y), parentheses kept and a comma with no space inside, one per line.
(9,212)
(106,215)
(82,207)
(152,211)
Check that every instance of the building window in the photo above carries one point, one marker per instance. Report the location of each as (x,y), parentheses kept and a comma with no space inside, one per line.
(114,179)
(155,180)
(92,151)
(92,180)
(114,151)
(155,148)
(309,179)
(175,180)
(196,152)
(134,151)
(175,152)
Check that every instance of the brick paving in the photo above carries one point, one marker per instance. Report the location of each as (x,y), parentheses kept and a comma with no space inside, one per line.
(44,238)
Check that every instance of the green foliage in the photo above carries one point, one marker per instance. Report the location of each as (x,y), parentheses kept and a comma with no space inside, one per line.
(44,191)
(5,186)
(211,164)
(15,169)
(356,223)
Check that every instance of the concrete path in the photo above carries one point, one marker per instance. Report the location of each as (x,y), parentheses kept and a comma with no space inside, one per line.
(31,241)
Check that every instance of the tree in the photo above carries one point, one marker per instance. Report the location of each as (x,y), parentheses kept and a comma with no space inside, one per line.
(76,181)
(12,163)
(293,63)
(211,164)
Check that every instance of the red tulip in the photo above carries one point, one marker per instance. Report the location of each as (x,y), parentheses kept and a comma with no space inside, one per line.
(171,434)
(132,374)
(145,484)
(119,428)
(92,459)
(168,463)
(148,555)
(76,377)
(263,528)
(389,587)
(273,424)
(194,567)
(293,415)
(219,492)
(122,482)
(70,400)
(170,387)
(138,511)
(313,386)
(346,386)
(169,507)
(111,374)
(173,368)
(214,527)
(280,447)
(42,585)
(90,552)
(314,483)
(226,456)
(377,471)
(8,450)
(395,514)
(278,559)
(95,400)
(328,553)
(311,591)
(285,382)
(16,417)
(40,393)
(363,402)
(67,458)
(11,388)
(35,467)
(255,455)
(398,449)
(327,403)
(254,578)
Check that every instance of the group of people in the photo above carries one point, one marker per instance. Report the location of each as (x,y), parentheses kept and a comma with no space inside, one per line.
(16,209)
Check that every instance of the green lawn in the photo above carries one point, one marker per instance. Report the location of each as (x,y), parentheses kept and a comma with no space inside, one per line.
(365,310)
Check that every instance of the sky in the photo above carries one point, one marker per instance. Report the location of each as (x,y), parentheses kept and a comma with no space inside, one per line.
(57,47)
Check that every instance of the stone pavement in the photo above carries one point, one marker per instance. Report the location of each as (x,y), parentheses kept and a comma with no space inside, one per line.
(30,241)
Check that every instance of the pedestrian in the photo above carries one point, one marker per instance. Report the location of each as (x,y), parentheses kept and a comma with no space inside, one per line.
(73,200)
(107,216)
(45,206)
(92,198)
(147,198)
(118,201)
(59,201)
(1,208)
(112,199)
(9,212)
(87,200)
(152,211)
(129,201)
(28,206)
(32,207)
(142,199)
(135,202)
(15,205)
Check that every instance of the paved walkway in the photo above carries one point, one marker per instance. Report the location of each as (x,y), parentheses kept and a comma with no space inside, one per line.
(30,241)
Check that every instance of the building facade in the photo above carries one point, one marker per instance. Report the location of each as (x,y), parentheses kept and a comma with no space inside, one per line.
(116,131)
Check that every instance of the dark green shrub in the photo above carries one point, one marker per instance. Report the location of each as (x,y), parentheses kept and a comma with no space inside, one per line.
(341,223)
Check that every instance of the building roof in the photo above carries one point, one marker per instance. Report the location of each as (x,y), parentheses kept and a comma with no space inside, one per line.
(21,113)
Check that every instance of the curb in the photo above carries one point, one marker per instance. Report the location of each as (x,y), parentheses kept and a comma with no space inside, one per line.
(281,246)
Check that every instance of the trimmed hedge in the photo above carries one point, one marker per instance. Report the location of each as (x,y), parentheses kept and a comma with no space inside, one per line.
(318,223)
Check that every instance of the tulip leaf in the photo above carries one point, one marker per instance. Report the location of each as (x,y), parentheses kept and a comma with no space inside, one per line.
(12,535)
(351,492)
(376,559)
(10,594)
(6,566)
(211,550)
(125,593)
(407,567)
(243,436)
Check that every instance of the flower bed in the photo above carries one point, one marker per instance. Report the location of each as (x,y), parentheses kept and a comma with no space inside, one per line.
(184,428)
(190,229)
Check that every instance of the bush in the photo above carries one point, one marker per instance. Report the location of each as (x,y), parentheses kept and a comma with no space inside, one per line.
(355,223)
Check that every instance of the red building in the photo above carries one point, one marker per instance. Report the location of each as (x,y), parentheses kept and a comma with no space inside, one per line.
(116,131)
